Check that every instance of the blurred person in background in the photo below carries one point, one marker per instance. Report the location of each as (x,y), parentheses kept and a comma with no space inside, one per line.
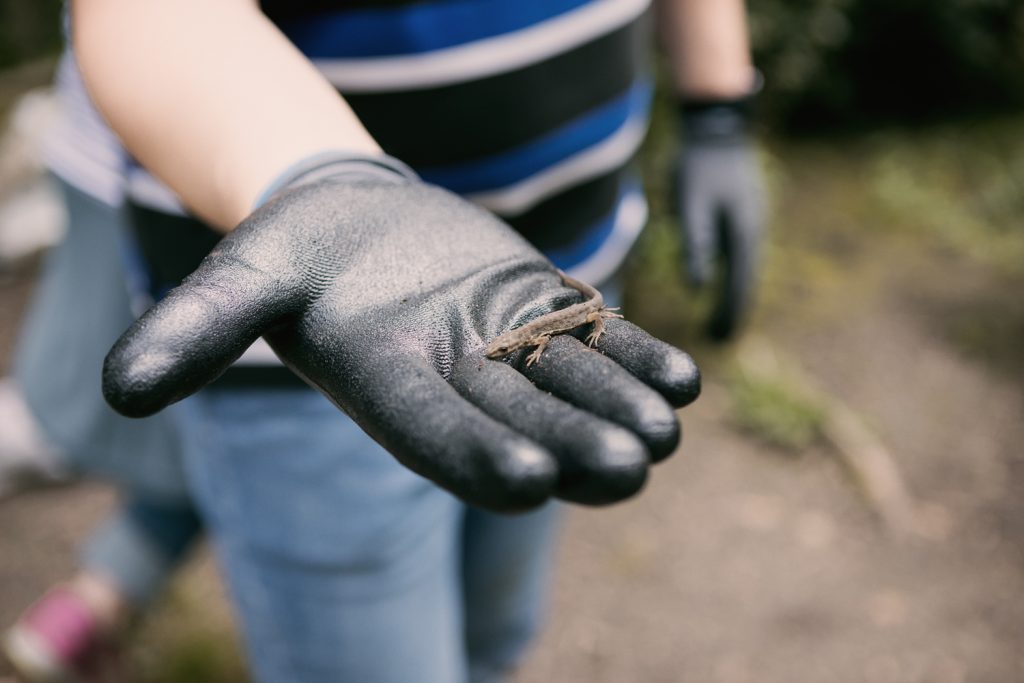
(56,424)
(344,564)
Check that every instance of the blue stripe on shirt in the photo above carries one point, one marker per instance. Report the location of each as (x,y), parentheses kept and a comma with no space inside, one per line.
(588,243)
(416,28)
(510,167)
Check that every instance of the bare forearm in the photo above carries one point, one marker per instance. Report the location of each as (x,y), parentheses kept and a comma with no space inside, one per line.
(209,96)
(708,47)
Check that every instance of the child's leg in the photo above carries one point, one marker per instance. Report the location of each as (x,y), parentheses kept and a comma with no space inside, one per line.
(138,549)
(69,633)
(343,563)
(506,574)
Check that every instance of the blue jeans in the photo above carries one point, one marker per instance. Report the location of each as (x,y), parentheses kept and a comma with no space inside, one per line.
(78,311)
(346,566)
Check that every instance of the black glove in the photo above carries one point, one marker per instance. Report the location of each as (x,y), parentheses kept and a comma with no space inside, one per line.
(721,205)
(381,292)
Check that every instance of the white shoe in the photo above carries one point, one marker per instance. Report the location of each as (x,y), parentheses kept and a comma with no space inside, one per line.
(27,458)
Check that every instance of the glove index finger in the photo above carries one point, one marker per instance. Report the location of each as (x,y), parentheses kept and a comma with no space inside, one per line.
(668,370)
(599,462)
(404,404)
(189,338)
(599,385)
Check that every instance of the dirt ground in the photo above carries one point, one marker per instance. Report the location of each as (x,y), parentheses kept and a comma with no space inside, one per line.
(743,562)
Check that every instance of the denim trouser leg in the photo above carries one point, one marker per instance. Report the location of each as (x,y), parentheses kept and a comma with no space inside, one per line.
(80,308)
(506,565)
(344,565)
(139,547)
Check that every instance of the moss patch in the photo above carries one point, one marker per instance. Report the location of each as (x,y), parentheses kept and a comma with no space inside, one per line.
(775,413)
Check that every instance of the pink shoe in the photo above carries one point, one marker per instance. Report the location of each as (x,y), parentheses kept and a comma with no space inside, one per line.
(58,640)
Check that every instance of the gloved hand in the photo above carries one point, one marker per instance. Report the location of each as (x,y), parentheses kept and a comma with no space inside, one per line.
(721,206)
(382,291)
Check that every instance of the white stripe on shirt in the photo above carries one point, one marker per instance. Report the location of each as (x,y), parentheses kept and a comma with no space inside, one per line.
(630,219)
(610,153)
(481,58)
(81,149)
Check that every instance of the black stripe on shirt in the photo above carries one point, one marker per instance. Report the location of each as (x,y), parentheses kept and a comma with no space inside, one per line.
(561,220)
(467,121)
(285,10)
(171,246)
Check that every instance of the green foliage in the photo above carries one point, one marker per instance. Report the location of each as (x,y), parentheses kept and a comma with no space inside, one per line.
(958,187)
(29,29)
(964,187)
(199,659)
(188,636)
(843,62)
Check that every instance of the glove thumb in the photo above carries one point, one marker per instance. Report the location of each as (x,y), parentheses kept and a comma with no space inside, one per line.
(190,337)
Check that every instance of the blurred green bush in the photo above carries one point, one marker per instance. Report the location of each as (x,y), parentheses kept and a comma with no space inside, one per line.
(29,29)
(842,63)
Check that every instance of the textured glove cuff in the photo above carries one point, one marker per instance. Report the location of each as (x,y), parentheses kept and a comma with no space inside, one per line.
(333,164)
(718,120)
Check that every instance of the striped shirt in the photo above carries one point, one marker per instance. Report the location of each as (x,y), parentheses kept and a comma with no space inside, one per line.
(531,108)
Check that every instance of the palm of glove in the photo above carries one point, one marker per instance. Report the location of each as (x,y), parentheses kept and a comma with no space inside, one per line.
(382,295)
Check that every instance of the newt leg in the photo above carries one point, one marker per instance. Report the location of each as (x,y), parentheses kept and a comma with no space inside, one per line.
(598,318)
(541,342)
(598,330)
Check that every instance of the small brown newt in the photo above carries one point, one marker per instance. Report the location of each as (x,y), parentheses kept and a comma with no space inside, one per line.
(538,332)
